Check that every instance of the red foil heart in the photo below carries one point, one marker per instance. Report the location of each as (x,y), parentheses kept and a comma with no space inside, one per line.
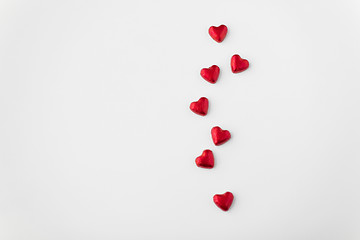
(223,201)
(220,136)
(218,33)
(238,64)
(210,74)
(200,107)
(206,160)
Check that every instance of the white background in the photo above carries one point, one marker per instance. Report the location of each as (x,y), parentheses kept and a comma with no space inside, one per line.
(97,140)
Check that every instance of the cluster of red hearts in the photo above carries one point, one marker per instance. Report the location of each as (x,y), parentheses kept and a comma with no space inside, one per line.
(219,136)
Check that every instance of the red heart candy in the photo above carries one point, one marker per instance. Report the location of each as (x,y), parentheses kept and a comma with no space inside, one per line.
(210,74)
(218,33)
(200,107)
(220,136)
(238,64)
(206,160)
(223,201)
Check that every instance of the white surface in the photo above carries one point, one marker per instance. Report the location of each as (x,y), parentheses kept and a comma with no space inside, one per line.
(97,141)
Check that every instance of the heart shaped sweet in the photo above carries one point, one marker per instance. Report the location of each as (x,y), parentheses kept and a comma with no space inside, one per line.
(223,201)
(219,136)
(238,64)
(210,74)
(205,160)
(200,107)
(218,33)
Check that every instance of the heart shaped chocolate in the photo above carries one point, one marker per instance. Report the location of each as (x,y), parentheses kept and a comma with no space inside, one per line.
(220,136)
(218,33)
(200,107)
(205,160)
(238,64)
(210,74)
(223,201)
